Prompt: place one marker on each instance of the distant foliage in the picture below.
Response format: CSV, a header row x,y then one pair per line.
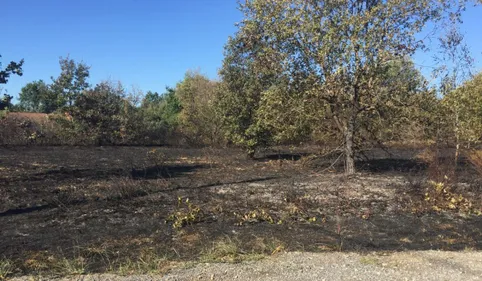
x,y
38,96
466,102
198,120
160,115
71,82
64,90
98,112
6,102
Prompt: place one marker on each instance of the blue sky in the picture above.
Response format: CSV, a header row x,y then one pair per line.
x,y
146,43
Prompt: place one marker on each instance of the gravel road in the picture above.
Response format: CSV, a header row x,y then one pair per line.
x,y
426,265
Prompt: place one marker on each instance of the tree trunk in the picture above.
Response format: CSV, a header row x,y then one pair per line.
x,y
349,154
457,139
350,133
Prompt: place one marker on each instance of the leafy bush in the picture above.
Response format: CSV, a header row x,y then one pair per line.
x,y
98,113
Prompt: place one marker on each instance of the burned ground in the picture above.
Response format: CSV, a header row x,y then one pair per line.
x,y
109,205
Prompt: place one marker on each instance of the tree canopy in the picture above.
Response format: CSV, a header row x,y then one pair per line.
x,y
12,68
71,81
332,54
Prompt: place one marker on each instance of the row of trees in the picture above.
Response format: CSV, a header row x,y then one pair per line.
x,y
107,113
64,90
332,72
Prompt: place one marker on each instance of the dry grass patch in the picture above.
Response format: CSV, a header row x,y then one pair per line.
x,y
6,268
148,262
227,250
231,250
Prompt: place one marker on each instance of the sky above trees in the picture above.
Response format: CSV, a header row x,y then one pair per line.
x,y
147,43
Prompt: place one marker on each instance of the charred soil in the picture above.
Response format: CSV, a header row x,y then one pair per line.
x,y
66,210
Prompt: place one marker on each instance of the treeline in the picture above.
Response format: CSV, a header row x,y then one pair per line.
x,y
338,74
109,114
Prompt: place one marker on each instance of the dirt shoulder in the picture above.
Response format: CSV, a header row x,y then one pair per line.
x,y
419,265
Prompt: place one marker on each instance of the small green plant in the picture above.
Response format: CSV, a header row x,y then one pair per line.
x,y
6,268
186,213
294,213
255,216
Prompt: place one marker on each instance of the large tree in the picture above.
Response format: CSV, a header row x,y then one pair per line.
x,y
333,51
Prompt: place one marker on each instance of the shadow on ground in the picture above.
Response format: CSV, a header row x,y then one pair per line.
x,y
282,156
67,174
391,165
167,171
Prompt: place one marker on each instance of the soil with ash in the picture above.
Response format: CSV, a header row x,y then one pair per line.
x,y
116,203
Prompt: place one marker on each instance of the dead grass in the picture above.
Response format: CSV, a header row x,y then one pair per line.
x,y
228,250
148,262
75,266
126,189
266,246
6,269
232,250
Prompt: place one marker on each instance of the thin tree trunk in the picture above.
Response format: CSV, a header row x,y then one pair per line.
x,y
349,154
457,139
350,133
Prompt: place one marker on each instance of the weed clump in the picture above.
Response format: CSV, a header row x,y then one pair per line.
x,y
255,216
230,250
186,213
439,196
